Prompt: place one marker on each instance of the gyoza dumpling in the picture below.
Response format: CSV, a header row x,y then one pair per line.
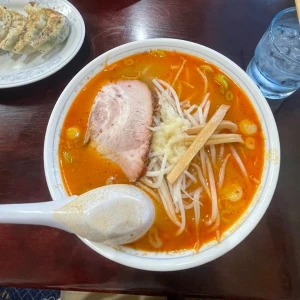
x,y
17,26
37,21
5,22
56,31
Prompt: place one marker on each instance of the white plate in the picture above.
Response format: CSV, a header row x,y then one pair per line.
x,y
17,70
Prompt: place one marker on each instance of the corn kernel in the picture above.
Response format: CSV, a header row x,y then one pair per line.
x,y
73,133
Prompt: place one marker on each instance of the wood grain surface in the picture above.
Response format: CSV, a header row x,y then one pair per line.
x,y
266,265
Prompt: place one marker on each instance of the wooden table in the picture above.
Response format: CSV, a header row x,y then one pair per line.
x,y
264,266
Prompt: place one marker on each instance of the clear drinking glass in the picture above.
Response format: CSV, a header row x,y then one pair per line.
x,y
275,67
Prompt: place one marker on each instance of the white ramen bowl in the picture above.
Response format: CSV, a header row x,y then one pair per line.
x,y
183,259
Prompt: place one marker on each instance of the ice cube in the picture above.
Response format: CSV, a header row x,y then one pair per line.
x,y
288,31
285,50
295,54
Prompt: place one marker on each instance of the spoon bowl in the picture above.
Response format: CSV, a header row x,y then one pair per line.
x,y
113,214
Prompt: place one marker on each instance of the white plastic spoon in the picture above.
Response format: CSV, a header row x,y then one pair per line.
x,y
113,214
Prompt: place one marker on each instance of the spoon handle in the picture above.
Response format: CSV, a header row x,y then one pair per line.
x,y
31,213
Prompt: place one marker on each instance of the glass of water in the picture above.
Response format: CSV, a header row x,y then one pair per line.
x,y
275,67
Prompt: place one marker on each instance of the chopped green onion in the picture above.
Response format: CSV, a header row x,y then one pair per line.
x,y
250,143
223,218
229,95
222,80
222,90
207,68
248,127
158,53
130,73
67,157
232,192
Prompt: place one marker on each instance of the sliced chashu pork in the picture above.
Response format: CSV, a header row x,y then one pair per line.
x,y
118,125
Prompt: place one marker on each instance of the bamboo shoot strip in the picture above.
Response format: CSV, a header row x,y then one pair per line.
x,y
199,142
219,138
224,125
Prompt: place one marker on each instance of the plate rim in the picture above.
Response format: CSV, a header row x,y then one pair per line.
x,y
64,61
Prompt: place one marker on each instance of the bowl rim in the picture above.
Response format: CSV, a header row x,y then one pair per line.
x,y
272,160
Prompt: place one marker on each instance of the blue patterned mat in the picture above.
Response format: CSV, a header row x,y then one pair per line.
x,y
10,293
